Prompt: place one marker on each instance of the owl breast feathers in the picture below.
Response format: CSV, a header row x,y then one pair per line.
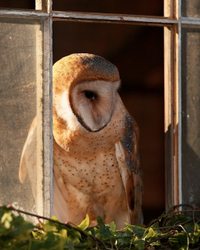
x,y
96,159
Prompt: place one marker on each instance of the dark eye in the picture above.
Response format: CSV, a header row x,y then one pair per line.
x,y
89,94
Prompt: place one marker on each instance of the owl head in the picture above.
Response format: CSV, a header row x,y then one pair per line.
x,y
85,91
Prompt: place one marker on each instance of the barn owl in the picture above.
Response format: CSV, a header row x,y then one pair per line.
x,y
96,159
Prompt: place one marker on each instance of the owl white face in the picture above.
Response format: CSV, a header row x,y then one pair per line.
x,y
92,104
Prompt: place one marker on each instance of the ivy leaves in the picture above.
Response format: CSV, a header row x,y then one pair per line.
x,y
15,232
170,231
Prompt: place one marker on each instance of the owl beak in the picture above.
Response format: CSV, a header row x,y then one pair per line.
x,y
97,126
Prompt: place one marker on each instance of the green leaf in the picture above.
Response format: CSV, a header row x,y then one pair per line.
x,y
179,240
50,226
113,226
104,232
85,223
195,235
139,244
54,218
150,233
124,239
100,221
139,231
6,220
63,233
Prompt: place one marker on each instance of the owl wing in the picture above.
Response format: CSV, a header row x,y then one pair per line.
x,y
129,164
28,162
60,206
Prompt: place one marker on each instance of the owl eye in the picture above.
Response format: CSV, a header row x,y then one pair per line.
x,y
89,94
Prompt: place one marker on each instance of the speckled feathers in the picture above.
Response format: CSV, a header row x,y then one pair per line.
x,y
96,159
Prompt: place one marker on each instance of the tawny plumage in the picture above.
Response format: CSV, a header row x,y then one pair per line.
x,y
96,158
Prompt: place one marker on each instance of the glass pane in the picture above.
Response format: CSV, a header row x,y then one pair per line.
x,y
25,4
19,59
191,8
191,116
143,7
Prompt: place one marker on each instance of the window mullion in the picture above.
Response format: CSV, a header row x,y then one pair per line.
x,y
172,95
47,118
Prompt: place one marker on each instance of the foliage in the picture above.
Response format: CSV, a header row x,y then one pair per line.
x,y
174,230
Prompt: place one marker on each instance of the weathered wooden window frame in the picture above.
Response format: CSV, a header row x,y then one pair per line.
x,y
172,22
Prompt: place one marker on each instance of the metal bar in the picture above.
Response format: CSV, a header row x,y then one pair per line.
x,y
47,118
190,21
113,18
40,144
97,17
179,102
173,125
171,114
89,17
175,119
173,183
169,66
23,14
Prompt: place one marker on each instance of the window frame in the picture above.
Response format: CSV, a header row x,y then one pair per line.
x,y
172,22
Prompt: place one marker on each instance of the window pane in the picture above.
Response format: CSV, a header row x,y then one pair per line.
x,y
19,59
143,7
191,8
190,115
